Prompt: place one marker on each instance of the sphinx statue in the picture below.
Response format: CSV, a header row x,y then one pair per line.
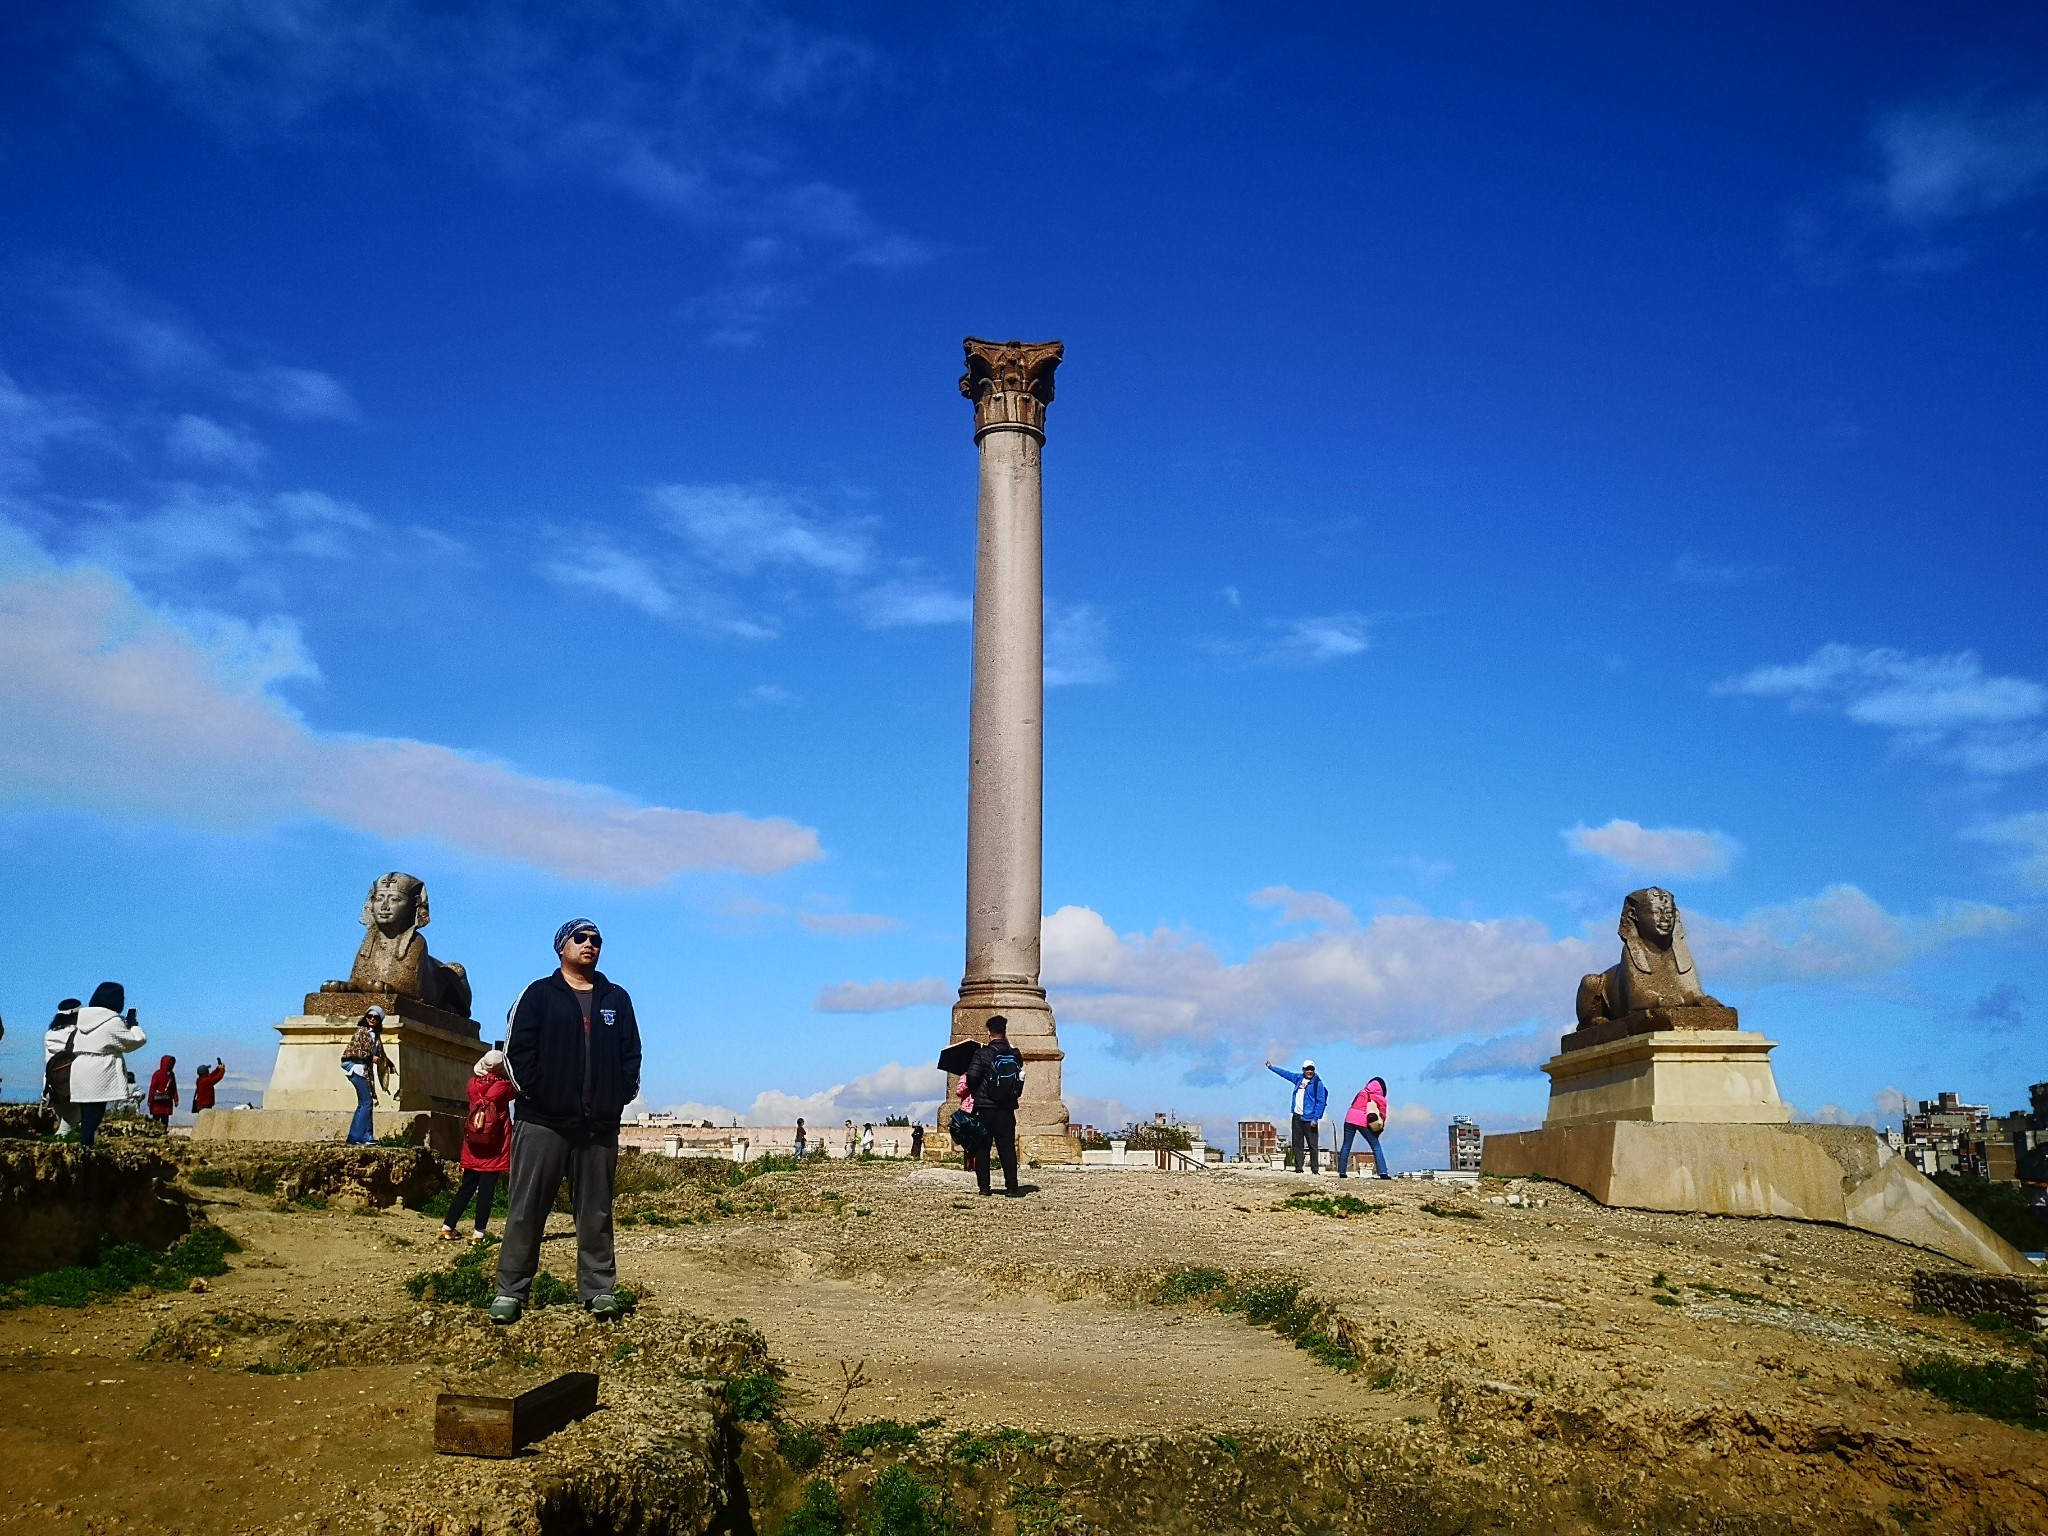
x,y
1656,969
393,957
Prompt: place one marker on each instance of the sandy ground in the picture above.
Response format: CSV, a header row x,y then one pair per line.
x,y
1768,1375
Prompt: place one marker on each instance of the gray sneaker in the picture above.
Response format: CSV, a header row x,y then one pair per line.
x,y
607,1308
506,1309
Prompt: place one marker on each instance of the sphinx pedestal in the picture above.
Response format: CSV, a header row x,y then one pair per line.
x,y
309,1098
1678,1110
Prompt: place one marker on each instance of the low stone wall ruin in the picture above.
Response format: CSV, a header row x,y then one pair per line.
x,y
2013,1298
291,1170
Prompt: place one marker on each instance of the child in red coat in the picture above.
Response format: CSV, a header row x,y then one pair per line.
x,y
486,1143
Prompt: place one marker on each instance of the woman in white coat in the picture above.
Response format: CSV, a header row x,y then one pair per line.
x,y
98,1037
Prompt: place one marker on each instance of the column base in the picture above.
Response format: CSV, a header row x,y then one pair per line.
x,y
1042,1122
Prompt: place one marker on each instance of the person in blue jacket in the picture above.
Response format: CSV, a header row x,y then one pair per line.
x,y
1311,1098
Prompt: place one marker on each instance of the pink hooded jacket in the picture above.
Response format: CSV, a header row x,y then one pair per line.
x,y
1373,1092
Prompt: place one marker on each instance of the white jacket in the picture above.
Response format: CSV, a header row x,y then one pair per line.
x,y
103,1038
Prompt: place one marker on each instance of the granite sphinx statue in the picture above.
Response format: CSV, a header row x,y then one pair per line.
x,y
1656,969
394,959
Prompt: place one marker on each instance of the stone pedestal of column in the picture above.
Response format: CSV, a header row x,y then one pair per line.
x,y
1010,384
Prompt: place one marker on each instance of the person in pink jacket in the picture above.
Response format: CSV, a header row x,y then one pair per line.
x,y
1366,1117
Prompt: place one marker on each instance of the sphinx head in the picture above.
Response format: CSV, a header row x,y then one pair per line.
x,y
1653,914
396,903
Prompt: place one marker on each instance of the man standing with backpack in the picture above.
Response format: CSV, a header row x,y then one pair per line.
x,y
996,1080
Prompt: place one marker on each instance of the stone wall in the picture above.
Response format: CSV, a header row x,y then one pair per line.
x,y
59,1202
27,1121
372,1176
2014,1298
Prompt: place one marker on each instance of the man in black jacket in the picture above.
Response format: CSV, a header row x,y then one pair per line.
x,y
573,1047
996,1080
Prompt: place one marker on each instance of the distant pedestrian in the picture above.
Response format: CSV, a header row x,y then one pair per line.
x,y
1311,1098
209,1079
1367,1117
799,1138
996,1079
360,1060
486,1144
573,1046
852,1139
163,1093
917,1143
867,1140
82,1055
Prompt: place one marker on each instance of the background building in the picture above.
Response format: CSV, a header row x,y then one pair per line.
x,y
1467,1145
1258,1141
1949,1136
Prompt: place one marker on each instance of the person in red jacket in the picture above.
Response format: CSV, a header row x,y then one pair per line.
x,y
486,1144
209,1079
163,1093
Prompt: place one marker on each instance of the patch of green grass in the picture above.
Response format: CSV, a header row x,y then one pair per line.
x,y
1227,1444
464,1283
1193,1284
1998,1327
208,1178
1990,1388
1657,1281
859,1439
394,1139
755,1398
1339,1206
800,1444
1432,1208
1667,1301
625,1350
501,1201
283,1365
1475,1458
549,1290
904,1506
1037,1506
817,1513
310,1200
1721,1290
123,1267
977,1449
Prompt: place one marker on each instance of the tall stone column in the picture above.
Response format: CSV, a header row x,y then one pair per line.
x,y
1010,384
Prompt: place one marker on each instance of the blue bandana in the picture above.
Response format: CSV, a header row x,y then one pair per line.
x,y
562,933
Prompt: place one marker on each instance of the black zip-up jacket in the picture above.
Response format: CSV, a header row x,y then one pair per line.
x,y
569,1081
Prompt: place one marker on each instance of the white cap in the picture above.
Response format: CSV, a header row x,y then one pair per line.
x,y
490,1062
1307,1066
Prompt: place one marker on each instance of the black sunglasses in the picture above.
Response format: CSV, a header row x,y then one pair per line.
x,y
587,936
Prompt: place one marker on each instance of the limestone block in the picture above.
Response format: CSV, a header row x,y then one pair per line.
x,y
442,1133
1844,1178
1697,1076
432,1051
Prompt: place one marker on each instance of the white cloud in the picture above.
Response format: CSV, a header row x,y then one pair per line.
x,y
1515,1055
1887,1106
31,424
1944,704
1655,850
912,602
1076,646
200,525
589,562
1841,932
115,707
744,528
165,346
890,1090
1305,642
2028,833
883,996
208,443
679,108
1413,977
1948,161
1304,906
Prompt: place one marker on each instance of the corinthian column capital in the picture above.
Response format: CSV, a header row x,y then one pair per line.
x,y
1010,382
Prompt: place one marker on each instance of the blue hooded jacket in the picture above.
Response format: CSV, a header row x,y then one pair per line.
x,y
1315,1101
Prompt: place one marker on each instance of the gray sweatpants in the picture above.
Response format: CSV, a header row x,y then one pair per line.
x,y
540,1159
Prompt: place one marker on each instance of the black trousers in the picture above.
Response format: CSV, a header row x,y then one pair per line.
x,y
1002,1125
541,1159
485,1187
1309,1132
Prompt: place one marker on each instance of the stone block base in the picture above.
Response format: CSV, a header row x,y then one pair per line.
x,y
1698,1076
1842,1175
1049,1149
432,1053
1042,1114
441,1133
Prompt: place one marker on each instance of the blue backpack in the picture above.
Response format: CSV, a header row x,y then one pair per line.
x,y
1005,1085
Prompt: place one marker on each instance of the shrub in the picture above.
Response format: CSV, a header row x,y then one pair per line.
x,y
1994,1390
978,1449
1340,1206
755,1398
859,1439
2004,1208
817,1513
207,1178
1192,1284
801,1445
464,1283
122,1267
905,1507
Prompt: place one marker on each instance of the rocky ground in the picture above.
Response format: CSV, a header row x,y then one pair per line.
x,y
1119,1351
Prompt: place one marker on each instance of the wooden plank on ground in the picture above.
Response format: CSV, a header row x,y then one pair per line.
x,y
469,1425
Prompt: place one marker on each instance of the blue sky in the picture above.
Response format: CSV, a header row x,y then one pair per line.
x,y
1500,461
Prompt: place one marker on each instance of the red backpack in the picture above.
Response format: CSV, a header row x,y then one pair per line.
x,y
484,1136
